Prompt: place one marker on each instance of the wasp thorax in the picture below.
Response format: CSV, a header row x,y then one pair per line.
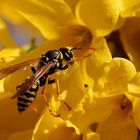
x,y
77,36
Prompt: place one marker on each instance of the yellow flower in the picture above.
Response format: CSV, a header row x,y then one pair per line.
x,y
66,82
96,95
101,16
52,128
24,125
118,126
122,79
55,20
98,89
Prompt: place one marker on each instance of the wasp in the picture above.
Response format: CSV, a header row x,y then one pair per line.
x,y
49,63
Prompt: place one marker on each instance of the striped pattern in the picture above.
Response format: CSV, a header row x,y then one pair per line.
x,y
26,99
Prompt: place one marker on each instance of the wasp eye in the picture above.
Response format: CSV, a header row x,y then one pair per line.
x,y
67,54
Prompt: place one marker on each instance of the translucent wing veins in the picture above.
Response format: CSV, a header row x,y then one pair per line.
x,y
28,84
14,67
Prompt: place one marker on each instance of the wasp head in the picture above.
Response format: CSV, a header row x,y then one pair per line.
x,y
67,54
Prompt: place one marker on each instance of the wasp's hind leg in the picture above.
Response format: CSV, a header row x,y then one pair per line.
x,y
49,108
17,87
59,97
35,109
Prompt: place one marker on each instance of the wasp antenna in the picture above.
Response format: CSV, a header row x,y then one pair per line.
x,y
90,48
75,49
80,58
87,48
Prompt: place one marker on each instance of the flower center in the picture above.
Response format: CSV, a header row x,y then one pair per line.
x,y
77,36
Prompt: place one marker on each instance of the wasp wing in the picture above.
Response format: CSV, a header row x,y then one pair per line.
x,y
14,67
28,84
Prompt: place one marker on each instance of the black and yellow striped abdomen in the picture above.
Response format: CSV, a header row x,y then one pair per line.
x,y
26,99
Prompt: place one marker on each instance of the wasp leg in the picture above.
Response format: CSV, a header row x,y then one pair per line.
x,y
64,67
60,98
17,87
49,108
61,67
51,81
79,58
35,109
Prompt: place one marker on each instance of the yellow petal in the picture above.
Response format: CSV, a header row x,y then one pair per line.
x,y
120,72
11,82
120,23
94,110
77,35
22,135
7,55
10,14
100,16
72,3
11,120
96,64
4,134
134,86
72,88
135,112
136,115
130,8
22,31
80,99
89,135
52,128
48,16
129,34
118,127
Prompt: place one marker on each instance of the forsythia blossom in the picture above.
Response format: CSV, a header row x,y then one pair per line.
x,y
103,92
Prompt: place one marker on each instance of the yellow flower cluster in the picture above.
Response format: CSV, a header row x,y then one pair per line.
x,y
102,91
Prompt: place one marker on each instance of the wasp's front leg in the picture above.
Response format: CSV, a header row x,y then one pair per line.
x,y
63,67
